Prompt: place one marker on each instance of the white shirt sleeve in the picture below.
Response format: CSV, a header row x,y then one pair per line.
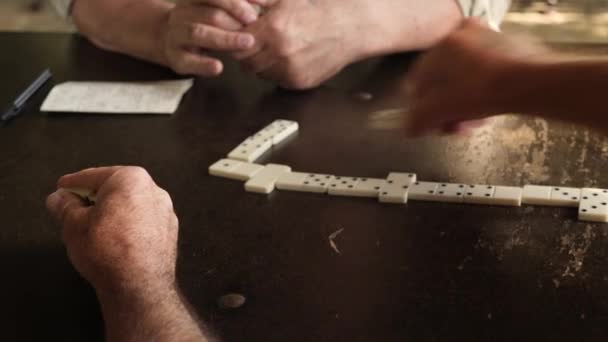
x,y
493,11
63,7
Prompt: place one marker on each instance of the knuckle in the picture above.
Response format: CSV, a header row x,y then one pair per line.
x,y
197,31
237,7
136,173
227,39
215,17
165,198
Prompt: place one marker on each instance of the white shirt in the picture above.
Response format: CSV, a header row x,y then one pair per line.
x,y
63,7
493,11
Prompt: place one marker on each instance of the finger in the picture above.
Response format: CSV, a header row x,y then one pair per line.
x,y
213,38
240,9
260,62
217,18
264,3
196,64
67,209
245,54
91,179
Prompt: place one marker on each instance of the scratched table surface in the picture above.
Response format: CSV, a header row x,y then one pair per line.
x,y
415,272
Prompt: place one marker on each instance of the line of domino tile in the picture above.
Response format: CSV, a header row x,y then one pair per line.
x,y
256,145
398,187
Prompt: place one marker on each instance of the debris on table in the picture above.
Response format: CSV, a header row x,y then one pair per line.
x,y
332,236
364,96
231,301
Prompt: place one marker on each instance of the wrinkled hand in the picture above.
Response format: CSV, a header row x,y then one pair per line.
x,y
301,43
195,26
461,81
127,242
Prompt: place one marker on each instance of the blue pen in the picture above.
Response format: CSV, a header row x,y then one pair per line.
x,y
19,103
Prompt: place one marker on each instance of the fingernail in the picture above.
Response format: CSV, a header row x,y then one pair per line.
x,y
217,68
250,17
246,41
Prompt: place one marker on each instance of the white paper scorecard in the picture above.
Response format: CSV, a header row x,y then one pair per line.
x,y
158,97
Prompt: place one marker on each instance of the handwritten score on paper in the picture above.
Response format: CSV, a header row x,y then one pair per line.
x,y
158,97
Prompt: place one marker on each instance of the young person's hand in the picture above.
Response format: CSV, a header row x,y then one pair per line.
x,y
464,79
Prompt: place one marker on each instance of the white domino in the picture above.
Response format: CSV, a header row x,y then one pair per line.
x,y
356,186
278,131
567,197
422,191
85,194
507,196
396,188
593,206
264,181
283,129
479,194
536,194
251,149
342,186
449,193
291,181
551,196
304,182
234,169
368,187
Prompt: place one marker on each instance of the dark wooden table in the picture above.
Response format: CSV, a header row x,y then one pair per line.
x,y
421,272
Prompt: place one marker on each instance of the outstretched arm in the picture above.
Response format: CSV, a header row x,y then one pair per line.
x,y
126,247
476,73
569,88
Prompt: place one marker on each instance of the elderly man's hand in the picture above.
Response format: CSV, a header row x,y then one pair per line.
x,y
126,243
301,43
195,26
466,78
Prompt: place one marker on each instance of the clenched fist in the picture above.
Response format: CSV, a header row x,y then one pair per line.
x,y
125,243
